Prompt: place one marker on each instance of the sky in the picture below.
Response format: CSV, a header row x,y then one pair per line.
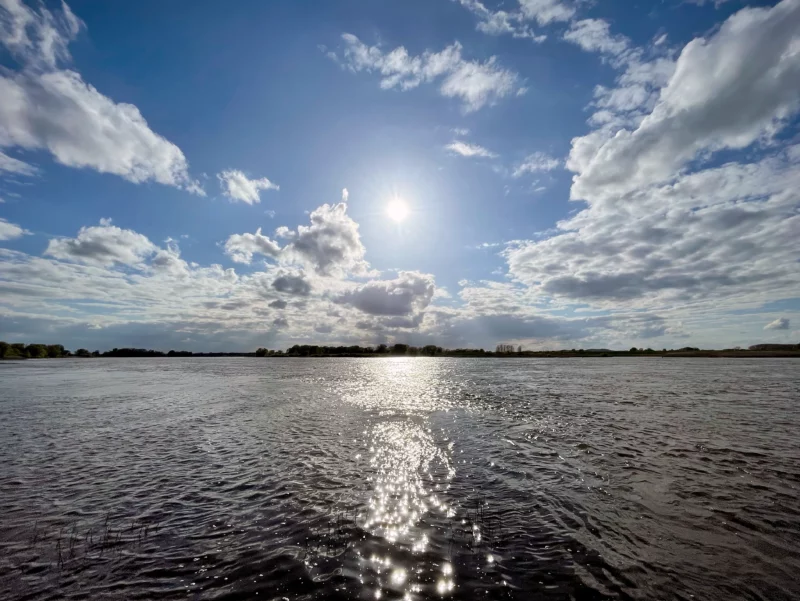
x,y
211,176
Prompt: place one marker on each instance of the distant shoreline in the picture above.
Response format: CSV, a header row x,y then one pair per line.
x,y
523,355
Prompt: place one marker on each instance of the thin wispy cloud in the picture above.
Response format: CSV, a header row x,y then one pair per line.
x,y
468,150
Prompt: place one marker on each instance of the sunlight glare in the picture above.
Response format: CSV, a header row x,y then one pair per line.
x,y
397,209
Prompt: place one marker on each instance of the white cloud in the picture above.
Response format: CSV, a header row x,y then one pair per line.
x,y
469,150
237,186
53,109
516,22
103,245
11,165
536,162
241,247
10,231
331,245
476,84
594,35
779,324
726,92
37,38
723,233
546,11
345,195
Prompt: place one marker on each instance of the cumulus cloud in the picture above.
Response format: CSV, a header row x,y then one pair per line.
x,y
476,84
726,92
779,324
536,162
470,150
662,229
714,234
292,283
280,322
330,246
102,245
241,247
53,109
411,292
237,186
10,231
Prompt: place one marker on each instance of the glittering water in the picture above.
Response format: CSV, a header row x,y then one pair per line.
x,y
400,479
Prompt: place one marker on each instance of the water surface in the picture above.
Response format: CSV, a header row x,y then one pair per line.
x,y
416,478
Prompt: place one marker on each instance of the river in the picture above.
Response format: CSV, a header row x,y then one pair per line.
x,y
400,478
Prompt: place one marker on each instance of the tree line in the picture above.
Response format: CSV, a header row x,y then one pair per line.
x,y
53,351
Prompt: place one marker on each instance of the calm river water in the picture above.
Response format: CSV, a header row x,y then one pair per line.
x,y
400,478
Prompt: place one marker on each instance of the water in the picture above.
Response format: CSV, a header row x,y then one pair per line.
x,y
400,478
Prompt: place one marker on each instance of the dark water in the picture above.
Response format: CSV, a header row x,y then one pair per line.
x,y
400,479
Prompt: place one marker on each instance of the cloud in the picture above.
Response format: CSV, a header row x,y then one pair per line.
x,y
409,293
10,231
515,22
102,245
278,304
11,165
726,92
330,246
779,324
54,109
469,150
536,162
40,39
546,11
241,247
345,195
719,233
236,186
594,35
476,84
291,283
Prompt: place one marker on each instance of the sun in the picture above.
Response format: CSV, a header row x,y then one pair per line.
x,y
397,210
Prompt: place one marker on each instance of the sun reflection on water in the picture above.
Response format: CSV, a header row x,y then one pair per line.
x,y
404,457
410,476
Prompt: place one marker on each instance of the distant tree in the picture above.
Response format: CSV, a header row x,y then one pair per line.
x,y
261,352
399,349
649,350
94,353
430,350
18,350
36,351
82,352
634,349
382,348
519,348
55,350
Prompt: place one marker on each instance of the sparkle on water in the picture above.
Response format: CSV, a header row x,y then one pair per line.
x,y
399,478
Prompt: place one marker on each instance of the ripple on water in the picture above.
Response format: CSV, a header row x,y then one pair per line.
x,y
399,479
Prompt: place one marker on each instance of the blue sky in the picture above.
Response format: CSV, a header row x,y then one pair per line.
x,y
576,174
